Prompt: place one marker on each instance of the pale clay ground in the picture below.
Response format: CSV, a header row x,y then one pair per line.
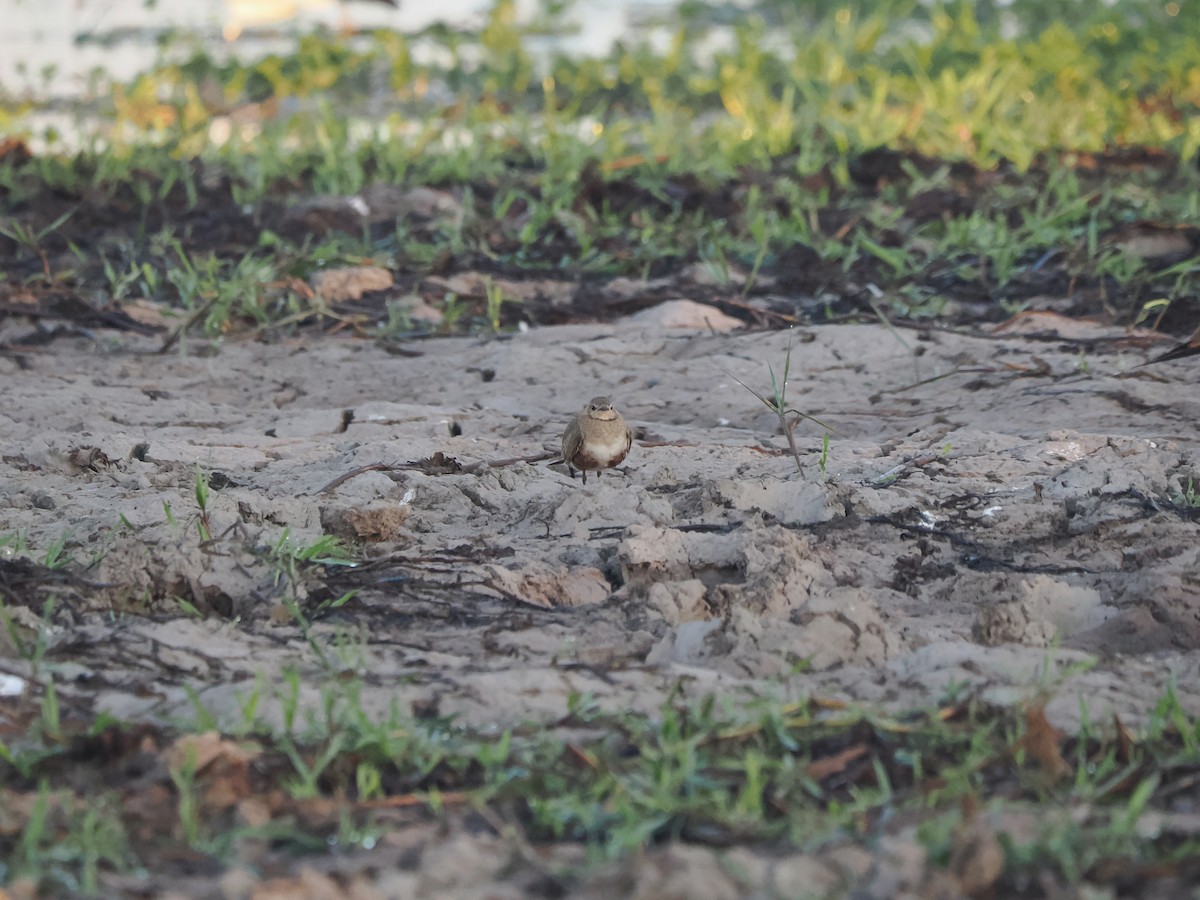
x,y
1019,554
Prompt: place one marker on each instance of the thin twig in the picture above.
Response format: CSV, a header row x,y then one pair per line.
x,y
191,320
469,469
509,461
354,473
894,474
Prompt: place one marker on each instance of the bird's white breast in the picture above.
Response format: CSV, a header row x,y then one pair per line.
x,y
607,446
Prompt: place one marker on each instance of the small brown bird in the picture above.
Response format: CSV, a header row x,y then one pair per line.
x,y
596,439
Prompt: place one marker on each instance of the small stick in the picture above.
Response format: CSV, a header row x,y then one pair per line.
x,y
465,470
892,475
191,320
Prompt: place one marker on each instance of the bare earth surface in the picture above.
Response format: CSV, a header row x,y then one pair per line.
x,y
994,519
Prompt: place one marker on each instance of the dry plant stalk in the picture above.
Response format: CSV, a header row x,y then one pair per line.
x,y
777,403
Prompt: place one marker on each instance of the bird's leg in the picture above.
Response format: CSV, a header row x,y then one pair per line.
x,y
584,473
571,469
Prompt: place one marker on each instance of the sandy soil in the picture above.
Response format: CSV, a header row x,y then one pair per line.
x,y
994,518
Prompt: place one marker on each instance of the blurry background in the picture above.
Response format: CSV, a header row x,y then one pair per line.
x,y
791,159
54,48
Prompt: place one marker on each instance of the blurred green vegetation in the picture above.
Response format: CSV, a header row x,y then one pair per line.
x,y
711,134
718,88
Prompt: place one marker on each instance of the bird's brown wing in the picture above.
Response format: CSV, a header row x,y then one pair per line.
x,y
628,438
572,440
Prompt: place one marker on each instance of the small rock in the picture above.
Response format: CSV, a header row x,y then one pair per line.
x,y
685,314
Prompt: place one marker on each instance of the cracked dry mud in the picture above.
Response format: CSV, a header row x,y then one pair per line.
x,y
992,519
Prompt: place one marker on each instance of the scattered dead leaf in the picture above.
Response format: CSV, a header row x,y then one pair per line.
x,y
376,522
541,585
297,286
415,308
438,464
20,296
820,769
254,811
1125,740
15,150
145,312
630,162
1042,742
221,766
350,283
405,801
90,458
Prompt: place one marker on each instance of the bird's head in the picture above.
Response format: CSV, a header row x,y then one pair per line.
x,y
600,408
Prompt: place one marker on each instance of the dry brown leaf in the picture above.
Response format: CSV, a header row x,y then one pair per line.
x,y
199,751
378,522
145,312
822,768
92,458
630,162
18,151
547,587
254,811
23,297
1125,740
350,283
1042,742
221,766
438,464
297,286
404,801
